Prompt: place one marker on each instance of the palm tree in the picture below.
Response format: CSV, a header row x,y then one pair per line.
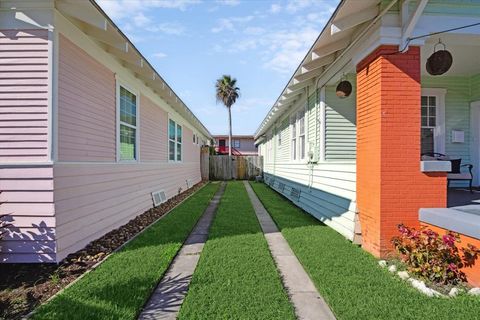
x,y
227,92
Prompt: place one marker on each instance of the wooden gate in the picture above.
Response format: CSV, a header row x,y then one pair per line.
x,y
235,167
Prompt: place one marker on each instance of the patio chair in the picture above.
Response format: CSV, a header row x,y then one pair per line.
x,y
455,174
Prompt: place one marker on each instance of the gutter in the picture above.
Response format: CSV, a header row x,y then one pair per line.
x,y
344,52
205,130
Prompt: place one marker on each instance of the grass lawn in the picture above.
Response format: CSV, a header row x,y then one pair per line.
x,y
349,278
119,287
236,277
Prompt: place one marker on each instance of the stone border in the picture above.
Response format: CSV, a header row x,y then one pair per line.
x,y
301,290
167,298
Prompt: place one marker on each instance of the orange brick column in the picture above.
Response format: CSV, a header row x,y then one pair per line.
x,y
390,186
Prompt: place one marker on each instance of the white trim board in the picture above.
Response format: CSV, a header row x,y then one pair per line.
x,y
475,140
440,130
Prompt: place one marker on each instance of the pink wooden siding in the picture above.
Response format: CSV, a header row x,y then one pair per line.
x,y
24,95
58,209
153,131
93,199
27,200
191,150
86,106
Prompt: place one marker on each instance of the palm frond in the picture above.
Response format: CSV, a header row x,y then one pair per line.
x,y
227,91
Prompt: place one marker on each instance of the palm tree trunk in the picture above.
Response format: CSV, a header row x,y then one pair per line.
x,y
230,131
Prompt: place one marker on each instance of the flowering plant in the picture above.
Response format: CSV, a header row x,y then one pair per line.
x,y
433,257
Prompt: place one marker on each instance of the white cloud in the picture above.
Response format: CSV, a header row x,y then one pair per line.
x,y
275,8
297,5
133,17
119,9
140,20
254,30
223,24
229,24
231,3
171,28
159,55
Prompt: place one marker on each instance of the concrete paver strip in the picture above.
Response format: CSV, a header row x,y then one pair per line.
x,y
307,301
168,297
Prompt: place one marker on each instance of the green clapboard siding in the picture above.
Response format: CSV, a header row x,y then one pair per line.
x,y
340,125
457,111
475,87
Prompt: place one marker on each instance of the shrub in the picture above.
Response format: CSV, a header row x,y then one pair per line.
x,y
433,257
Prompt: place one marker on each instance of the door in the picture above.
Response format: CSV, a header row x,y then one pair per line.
x,y
221,142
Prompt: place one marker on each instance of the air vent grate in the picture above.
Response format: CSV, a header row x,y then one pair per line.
x,y
281,186
295,194
158,197
271,182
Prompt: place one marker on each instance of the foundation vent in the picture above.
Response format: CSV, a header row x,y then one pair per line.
x,y
271,182
295,194
158,197
281,186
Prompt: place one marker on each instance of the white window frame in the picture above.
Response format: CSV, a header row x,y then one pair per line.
x,y
295,155
234,145
439,130
304,135
137,127
177,124
293,136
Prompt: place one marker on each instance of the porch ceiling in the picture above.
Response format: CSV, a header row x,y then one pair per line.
x,y
465,50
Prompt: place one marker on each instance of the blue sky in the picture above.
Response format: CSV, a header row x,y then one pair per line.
x,y
191,43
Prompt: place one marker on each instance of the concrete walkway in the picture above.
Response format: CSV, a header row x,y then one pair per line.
x,y
168,297
302,292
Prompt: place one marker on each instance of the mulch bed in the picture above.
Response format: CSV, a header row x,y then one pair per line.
x,y
25,286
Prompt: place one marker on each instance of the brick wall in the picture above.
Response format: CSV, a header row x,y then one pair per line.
x,y
390,186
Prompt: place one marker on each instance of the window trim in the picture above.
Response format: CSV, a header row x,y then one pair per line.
x,y
177,124
122,84
239,145
293,147
297,159
439,130
304,135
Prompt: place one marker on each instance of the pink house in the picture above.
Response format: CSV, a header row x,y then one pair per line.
x,y
89,130
241,145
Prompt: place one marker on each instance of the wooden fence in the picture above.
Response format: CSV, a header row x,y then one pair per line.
x,y
234,167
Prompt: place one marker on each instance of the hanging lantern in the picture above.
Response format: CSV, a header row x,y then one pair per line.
x,y
440,61
344,89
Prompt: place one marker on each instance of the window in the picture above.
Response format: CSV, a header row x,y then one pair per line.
x,y
429,123
128,125
194,138
301,133
293,125
174,141
279,137
236,143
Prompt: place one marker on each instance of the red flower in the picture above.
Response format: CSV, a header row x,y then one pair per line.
x,y
448,240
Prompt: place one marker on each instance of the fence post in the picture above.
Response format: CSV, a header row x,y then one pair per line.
x,y
205,163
